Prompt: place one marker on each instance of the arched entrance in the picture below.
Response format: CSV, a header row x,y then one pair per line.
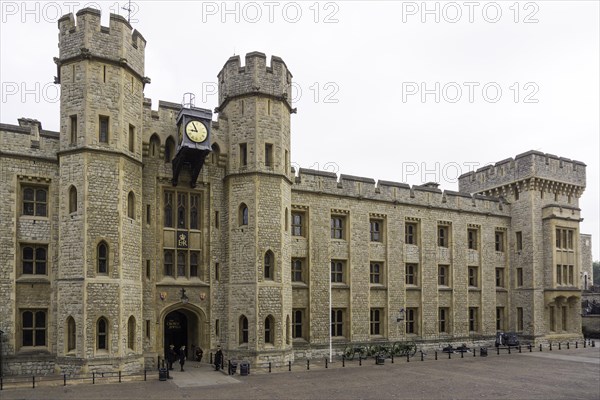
x,y
181,328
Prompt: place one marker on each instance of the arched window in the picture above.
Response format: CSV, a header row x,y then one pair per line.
x,y
131,205
71,334
269,261
102,334
102,256
243,214
154,148
216,151
243,324
169,149
269,327
131,333
72,199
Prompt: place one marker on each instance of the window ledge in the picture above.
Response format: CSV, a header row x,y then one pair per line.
x,y
299,285
413,287
33,279
474,289
340,286
377,286
444,288
501,289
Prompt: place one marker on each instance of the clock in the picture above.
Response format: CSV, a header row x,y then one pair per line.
x,y
196,131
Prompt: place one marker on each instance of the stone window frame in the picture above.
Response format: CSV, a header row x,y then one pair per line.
x,y
71,331
564,238
299,226
102,335
444,280
243,215
500,277
444,320
338,323
412,321
338,272
131,333
411,274
500,318
269,265
499,240
299,326
169,153
131,208
72,196
444,233
131,138
35,260
73,128
338,227
103,129
411,231
519,316
243,330
473,276
298,270
376,322
376,229
154,146
519,277
377,277
473,318
34,329
472,238
103,260
269,330
39,208
518,241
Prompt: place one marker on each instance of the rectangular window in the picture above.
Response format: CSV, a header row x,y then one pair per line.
x,y
147,269
499,318
131,138
216,219
181,264
412,274
194,211
297,322
217,272
519,240
571,275
194,264
33,323
443,275
337,322
337,227
297,270
564,316
168,209
337,271
500,277
443,315
35,201
376,315
473,319
168,263
34,259
442,236
243,154
519,277
376,228
412,321
472,239
268,155
376,273
217,328
297,224
148,329
552,319
499,241
103,131
559,280
410,233
473,277
564,238
73,135
519,319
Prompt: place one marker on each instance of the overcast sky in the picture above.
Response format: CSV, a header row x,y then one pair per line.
x,y
508,76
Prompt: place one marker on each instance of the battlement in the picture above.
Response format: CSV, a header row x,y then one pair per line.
x,y
531,164
254,78
360,188
88,39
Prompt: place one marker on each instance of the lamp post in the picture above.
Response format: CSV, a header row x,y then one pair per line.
x,y
1,333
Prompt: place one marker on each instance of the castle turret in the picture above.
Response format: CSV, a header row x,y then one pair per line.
x,y
254,111
101,72
545,248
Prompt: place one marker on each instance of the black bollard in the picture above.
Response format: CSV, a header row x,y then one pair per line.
x,y
530,348
359,360
540,347
550,346
269,366
508,349
584,344
474,352
559,345
326,363
228,367
436,355
568,346
462,354
407,357
593,343
449,355
421,355
497,351
65,378
575,344
343,361
307,365
119,376
210,361
289,366
519,348
392,358
93,378
33,381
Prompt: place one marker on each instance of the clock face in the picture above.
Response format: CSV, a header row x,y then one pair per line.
x,y
196,131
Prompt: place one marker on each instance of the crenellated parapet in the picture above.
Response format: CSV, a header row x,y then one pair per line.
x,y
85,38
255,78
360,188
532,170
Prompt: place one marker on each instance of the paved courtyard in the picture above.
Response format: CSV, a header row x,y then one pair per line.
x,y
560,374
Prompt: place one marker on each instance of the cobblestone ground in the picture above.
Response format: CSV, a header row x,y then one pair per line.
x,y
560,374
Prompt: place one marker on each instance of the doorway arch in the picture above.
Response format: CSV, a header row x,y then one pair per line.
x,y
183,326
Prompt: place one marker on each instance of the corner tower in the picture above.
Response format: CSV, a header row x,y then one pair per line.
x,y
544,240
254,112
99,289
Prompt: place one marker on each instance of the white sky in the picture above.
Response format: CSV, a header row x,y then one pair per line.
x,y
354,65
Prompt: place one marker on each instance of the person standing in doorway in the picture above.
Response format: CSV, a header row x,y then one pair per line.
x,y
171,356
182,357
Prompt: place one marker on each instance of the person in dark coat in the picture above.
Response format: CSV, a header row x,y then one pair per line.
x,y
199,354
218,359
182,357
171,357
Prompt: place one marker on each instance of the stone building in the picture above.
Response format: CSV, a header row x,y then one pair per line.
x,y
104,262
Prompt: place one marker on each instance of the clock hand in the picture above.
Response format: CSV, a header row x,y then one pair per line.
x,y
194,126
